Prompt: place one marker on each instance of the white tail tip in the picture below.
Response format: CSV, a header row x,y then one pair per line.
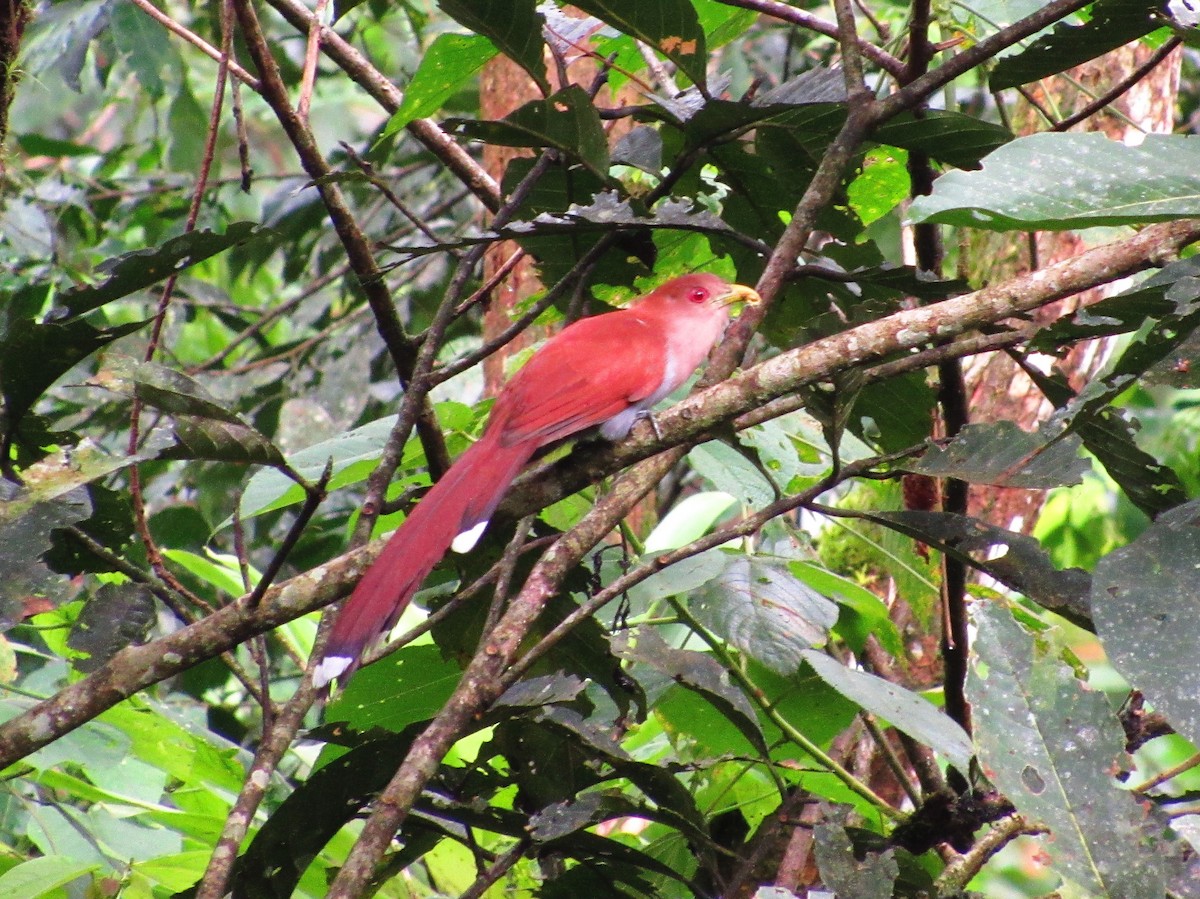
x,y
329,668
465,542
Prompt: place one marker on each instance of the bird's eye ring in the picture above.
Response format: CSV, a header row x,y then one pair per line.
x,y
698,295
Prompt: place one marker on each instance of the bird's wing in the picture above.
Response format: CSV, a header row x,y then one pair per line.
x,y
591,371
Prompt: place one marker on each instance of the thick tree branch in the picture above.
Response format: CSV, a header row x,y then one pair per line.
x,y
137,667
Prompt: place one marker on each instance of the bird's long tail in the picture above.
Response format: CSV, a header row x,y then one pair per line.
x,y
463,499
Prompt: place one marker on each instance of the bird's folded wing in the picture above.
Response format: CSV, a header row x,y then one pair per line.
x,y
590,372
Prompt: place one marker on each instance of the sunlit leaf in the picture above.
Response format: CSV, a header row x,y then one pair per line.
x,y
450,61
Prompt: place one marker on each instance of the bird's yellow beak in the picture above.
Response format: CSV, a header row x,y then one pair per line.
x,y
740,293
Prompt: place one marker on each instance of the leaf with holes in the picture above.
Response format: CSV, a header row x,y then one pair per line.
x,y
1053,746
566,121
1112,24
669,26
1002,455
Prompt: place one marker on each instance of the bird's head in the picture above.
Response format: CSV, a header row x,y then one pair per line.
x,y
690,294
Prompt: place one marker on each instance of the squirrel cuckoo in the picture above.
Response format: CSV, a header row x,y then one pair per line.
x,y
604,371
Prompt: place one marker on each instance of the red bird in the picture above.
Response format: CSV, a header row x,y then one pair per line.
x,y
607,370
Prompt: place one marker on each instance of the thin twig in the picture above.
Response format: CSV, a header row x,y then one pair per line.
x,y
137,501
358,249
314,495
1163,776
786,13
375,83
312,48
1122,86
195,40
960,871
496,870
392,197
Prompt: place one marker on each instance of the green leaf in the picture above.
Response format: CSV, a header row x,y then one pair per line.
x,y
894,414
758,606
1056,182
352,454
61,38
774,443
42,876
178,871
37,353
951,137
681,578
688,520
722,23
566,121
1053,746
1153,298
1106,431
515,26
697,672
1113,24
1146,606
204,428
450,61
144,45
881,186
903,709
116,616
730,472
862,612
669,26
191,754
222,573
607,212
313,814
189,121
1002,455
407,686
24,539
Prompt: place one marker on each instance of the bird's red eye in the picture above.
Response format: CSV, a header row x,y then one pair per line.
x,y
698,295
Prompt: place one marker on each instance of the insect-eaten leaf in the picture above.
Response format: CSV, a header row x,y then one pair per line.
x,y
1146,600
24,538
1052,746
